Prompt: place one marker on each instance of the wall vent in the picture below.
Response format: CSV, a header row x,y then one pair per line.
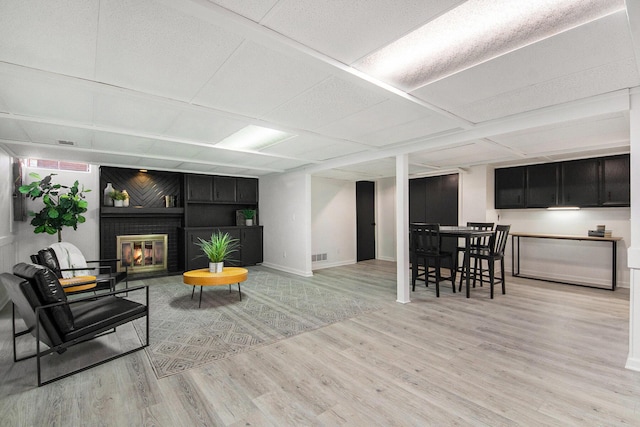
x,y
318,257
63,142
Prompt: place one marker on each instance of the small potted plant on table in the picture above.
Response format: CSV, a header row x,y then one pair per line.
x,y
218,249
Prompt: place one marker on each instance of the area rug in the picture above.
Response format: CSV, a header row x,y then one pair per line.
x,y
273,307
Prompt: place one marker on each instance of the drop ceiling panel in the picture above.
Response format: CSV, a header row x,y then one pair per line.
x,y
148,163
284,164
144,45
348,30
203,126
135,113
59,36
314,147
326,102
422,128
588,60
126,144
50,134
174,150
45,97
252,9
472,153
12,130
571,136
217,155
389,113
256,80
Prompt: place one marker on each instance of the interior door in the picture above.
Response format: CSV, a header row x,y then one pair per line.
x,y
365,220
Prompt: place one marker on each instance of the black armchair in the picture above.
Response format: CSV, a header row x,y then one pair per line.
x,y
105,277
40,300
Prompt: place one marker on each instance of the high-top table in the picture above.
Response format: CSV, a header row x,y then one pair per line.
x,y
203,277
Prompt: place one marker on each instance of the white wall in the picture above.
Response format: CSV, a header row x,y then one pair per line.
x,y
285,213
7,241
333,221
386,219
86,237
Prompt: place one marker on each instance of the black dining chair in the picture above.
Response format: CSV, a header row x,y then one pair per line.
x,y
427,256
476,243
494,252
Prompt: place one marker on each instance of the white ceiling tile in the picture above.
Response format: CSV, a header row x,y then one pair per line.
x,y
50,134
12,130
149,163
468,154
326,102
284,164
59,36
422,128
135,113
575,135
348,30
198,167
256,80
314,147
252,9
175,150
45,97
126,144
144,45
588,60
203,126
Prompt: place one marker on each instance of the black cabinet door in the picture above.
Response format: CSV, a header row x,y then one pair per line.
x,y
195,258
251,245
509,188
542,185
199,188
247,190
616,181
224,189
417,200
579,182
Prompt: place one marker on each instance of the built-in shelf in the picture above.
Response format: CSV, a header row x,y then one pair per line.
x,y
141,212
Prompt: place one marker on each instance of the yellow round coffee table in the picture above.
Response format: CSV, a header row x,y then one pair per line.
x,y
203,277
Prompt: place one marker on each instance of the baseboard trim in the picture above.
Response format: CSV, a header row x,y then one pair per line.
x,y
633,364
321,265
288,270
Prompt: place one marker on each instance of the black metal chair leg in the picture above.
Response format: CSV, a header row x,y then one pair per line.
x,y
492,275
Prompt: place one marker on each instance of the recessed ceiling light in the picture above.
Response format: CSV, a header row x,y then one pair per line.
x,y
475,32
254,138
563,208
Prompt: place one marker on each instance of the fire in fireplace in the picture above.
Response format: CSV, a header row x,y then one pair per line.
x,y
142,253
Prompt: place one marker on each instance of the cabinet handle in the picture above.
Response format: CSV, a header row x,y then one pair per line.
x,y
518,198
609,196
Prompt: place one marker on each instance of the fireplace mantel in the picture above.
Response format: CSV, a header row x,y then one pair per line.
x,y
107,212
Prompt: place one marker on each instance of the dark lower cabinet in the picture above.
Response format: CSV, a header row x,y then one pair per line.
x,y
250,252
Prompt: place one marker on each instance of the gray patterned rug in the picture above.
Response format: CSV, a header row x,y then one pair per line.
x,y
273,307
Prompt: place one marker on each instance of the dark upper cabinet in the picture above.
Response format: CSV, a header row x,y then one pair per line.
x,y
542,185
509,188
224,189
247,190
579,182
603,181
616,179
199,188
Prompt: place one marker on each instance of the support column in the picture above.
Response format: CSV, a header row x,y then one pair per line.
x,y
633,360
402,227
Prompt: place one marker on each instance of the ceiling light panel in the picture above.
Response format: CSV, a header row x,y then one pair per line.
x,y
253,138
475,32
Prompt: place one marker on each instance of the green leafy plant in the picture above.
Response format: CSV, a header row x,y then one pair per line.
x,y
63,206
219,247
118,195
248,213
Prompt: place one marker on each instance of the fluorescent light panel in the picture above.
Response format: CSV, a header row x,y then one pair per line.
x,y
253,138
563,208
475,32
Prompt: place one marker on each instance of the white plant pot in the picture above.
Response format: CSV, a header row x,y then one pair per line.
x,y
216,267
118,203
248,221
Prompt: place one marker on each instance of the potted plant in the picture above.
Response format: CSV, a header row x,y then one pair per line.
x,y
63,206
218,249
248,216
118,198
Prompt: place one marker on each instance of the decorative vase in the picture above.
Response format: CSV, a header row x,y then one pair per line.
x,y
216,267
126,201
107,200
118,203
248,221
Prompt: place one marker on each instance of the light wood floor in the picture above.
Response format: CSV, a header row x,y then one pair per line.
x,y
542,355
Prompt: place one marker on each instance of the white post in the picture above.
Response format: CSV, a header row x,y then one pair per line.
x,y
633,253
402,227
